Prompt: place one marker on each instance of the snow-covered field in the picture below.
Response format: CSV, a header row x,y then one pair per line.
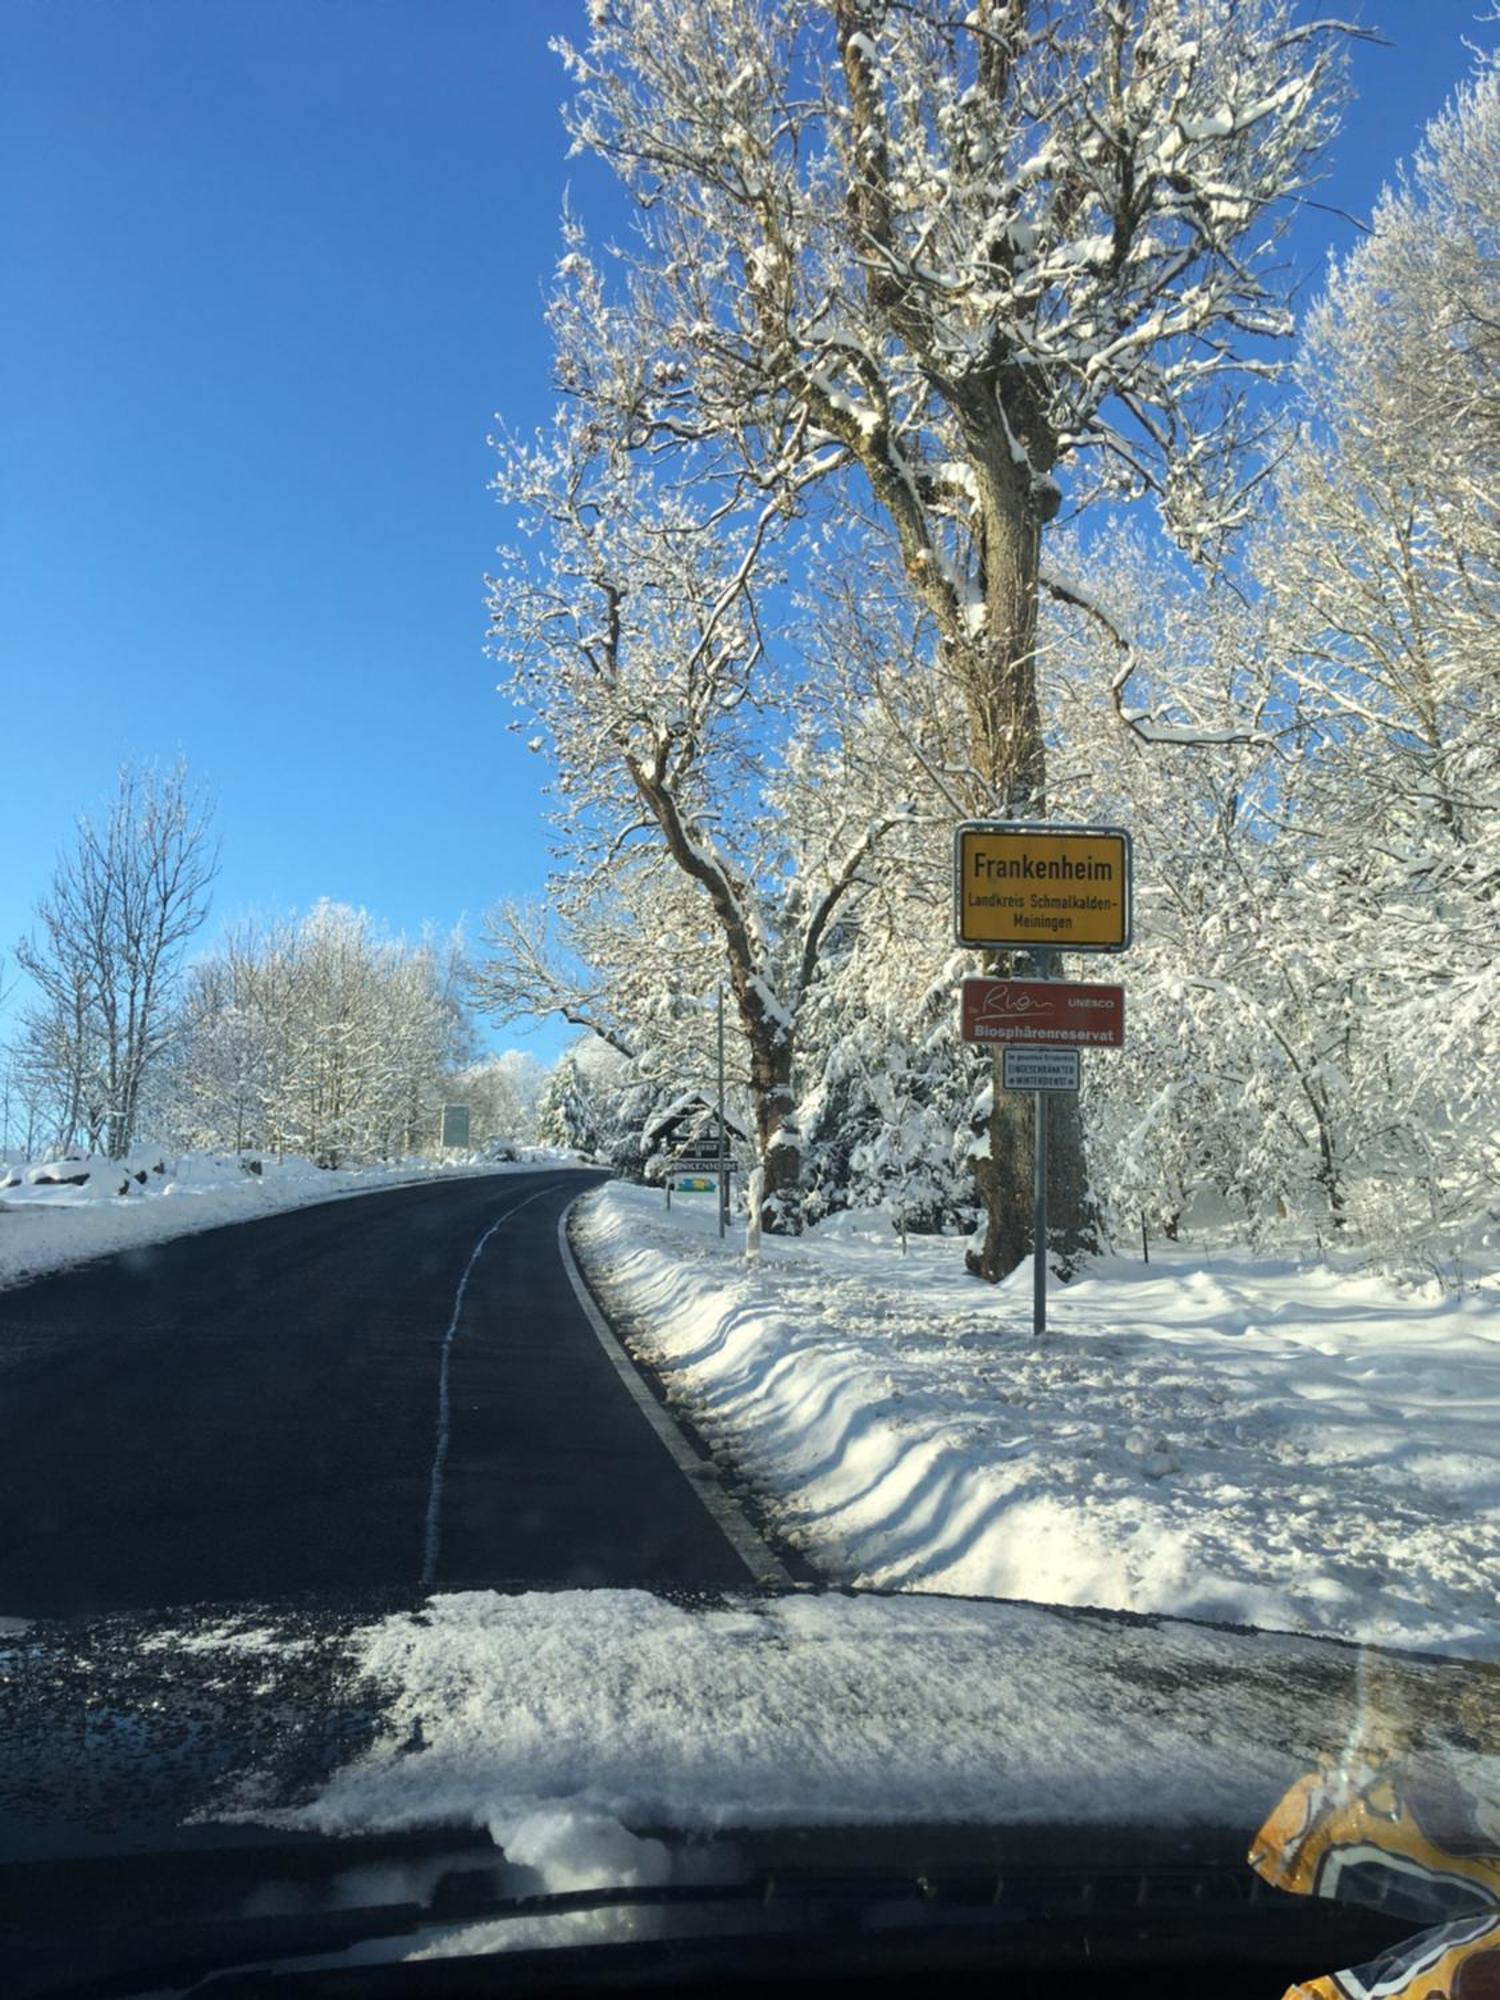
x,y
1212,1435
46,1224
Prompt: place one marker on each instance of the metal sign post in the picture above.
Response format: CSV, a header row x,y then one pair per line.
x,y
1041,888
1039,1099
723,1131
1044,963
1037,1024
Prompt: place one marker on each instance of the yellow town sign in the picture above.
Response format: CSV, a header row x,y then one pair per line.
x,y
1066,888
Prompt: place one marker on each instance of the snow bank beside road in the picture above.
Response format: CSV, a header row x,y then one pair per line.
x,y
1211,1436
50,1220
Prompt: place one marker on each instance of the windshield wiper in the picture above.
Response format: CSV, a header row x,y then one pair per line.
x,y
782,1920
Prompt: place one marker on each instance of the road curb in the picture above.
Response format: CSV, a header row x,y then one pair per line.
x,y
701,1474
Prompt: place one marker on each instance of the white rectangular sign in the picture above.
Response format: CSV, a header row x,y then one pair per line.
x,y
1029,1068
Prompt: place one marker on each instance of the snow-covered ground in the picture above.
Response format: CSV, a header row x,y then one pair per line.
x,y
47,1224
1212,1435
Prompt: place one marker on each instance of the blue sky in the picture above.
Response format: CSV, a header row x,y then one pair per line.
x,y
271,267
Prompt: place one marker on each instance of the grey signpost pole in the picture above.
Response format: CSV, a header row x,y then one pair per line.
x,y
1039,1216
1045,963
723,1135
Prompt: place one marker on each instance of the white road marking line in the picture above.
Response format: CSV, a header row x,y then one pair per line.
x,y
434,1527
763,1566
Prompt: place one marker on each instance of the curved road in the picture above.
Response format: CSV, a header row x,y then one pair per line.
x,y
392,1390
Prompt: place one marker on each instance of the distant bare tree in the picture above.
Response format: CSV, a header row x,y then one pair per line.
x,y
107,949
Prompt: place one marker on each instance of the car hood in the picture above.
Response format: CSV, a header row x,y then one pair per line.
x,y
694,1715
444,1777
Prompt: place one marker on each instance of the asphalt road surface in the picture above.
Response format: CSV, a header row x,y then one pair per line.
x,y
394,1390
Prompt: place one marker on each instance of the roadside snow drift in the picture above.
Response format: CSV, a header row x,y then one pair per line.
x,y
1215,1436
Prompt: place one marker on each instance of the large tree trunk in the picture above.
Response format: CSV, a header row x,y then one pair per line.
x,y
1005,730
778,1140
768,1028
1003,1177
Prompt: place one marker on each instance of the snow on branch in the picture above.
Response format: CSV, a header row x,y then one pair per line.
x,y
1145,726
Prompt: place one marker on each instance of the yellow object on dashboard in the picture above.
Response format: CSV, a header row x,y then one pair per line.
x,y
1404,1837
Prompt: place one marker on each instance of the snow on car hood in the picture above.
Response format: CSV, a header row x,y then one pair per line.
x,y
835,1709
620,1708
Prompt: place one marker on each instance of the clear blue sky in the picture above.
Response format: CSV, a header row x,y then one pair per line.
x,y
269,268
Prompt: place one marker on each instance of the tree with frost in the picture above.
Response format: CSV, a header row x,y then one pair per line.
x,y
1387,563
636,625
1185,1107
624,953
317,1036
887,998
890,1116
599,1102
106,954
1312,994
237,1051
1384,566
1413,320
565,1117
502,1093
955,262
890,1094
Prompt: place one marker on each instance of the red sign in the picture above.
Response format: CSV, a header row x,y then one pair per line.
x,y
1043,1011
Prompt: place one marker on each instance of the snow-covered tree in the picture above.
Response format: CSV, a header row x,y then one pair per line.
x,y
566,1114
596,1101
638,635
503,1093
1387,567
1385,571
1312,1027
1412,322
318,1036
626,953
947,262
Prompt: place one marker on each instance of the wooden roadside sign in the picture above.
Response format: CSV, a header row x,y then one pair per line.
x,y
1042,886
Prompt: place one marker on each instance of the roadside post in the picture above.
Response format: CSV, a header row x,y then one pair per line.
x,y
1039,1102
1041,1070
723,1131
1038,888
752,1215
